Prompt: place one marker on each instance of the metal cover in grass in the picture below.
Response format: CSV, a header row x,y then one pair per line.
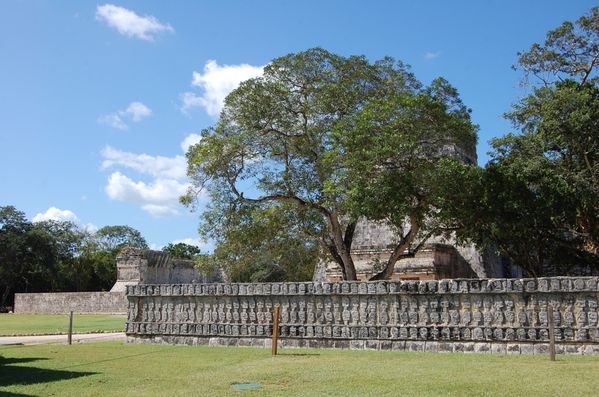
x,y
245,386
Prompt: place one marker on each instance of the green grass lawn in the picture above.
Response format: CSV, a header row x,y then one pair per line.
x,y
115,369
39,324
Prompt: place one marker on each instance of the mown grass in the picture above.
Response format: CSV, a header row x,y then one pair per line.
x,y
42,324
114,369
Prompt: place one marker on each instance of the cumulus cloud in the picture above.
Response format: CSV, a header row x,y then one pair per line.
x,y
136,111
156,166
160,191
56,214
216,82
113,120
159,196
189,141
130,24
429,56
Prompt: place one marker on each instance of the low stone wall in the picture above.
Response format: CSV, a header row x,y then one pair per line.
x,y
508,316
78,302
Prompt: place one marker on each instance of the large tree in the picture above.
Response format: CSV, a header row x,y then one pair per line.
x,y
298,139
537,200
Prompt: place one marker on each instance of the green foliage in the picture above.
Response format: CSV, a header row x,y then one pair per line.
x,y
181,250
570,51
111,238
57,256
537,200
260,244
294,139
27,255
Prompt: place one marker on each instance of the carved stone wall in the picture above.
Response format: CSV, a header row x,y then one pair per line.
x,y
460,315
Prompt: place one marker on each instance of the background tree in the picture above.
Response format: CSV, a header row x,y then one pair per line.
x,y
111,238
260,244
281,144
27,260
54,256
569,52
537,200
181,250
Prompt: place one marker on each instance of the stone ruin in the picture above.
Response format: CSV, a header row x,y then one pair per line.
x,y
439,258
140,266
508,316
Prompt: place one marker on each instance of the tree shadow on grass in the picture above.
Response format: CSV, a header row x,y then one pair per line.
x,y
15,360
9,394
11,375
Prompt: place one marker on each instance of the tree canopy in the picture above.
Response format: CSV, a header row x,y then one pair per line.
x,y
56,255
318,137
537,200
181,250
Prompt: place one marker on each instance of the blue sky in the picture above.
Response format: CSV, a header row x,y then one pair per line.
x,y
98,100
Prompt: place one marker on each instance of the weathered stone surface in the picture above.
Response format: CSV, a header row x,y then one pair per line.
x,y
141,266
78,302
464,315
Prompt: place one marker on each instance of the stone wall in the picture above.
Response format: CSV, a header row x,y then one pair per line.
x,y
78,302
509,316
141,266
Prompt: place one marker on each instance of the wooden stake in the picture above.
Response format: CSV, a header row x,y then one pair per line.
x,y
275,330
551,335
70,337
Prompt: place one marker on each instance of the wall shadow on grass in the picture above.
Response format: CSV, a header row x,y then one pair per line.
x,y
12,375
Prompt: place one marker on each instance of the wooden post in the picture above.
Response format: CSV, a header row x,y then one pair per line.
x,y
275,329
70,337
551,335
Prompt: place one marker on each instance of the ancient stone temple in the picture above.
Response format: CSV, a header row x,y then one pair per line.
x,y
439,258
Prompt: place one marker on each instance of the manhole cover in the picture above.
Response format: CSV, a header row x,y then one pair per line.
x,y
245,386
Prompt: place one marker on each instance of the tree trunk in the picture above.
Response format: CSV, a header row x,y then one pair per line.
x,y
342,243
5,294
398,253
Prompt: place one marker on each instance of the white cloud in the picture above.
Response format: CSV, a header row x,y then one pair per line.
x,y
156,166
158,192
189,141
113,120
159,211
189,100
136,111
429,56
56,214
160,195
130,24
204,246
189,241
216,82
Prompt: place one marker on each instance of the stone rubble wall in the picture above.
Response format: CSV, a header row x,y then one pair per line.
x,y
509,316
78,302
